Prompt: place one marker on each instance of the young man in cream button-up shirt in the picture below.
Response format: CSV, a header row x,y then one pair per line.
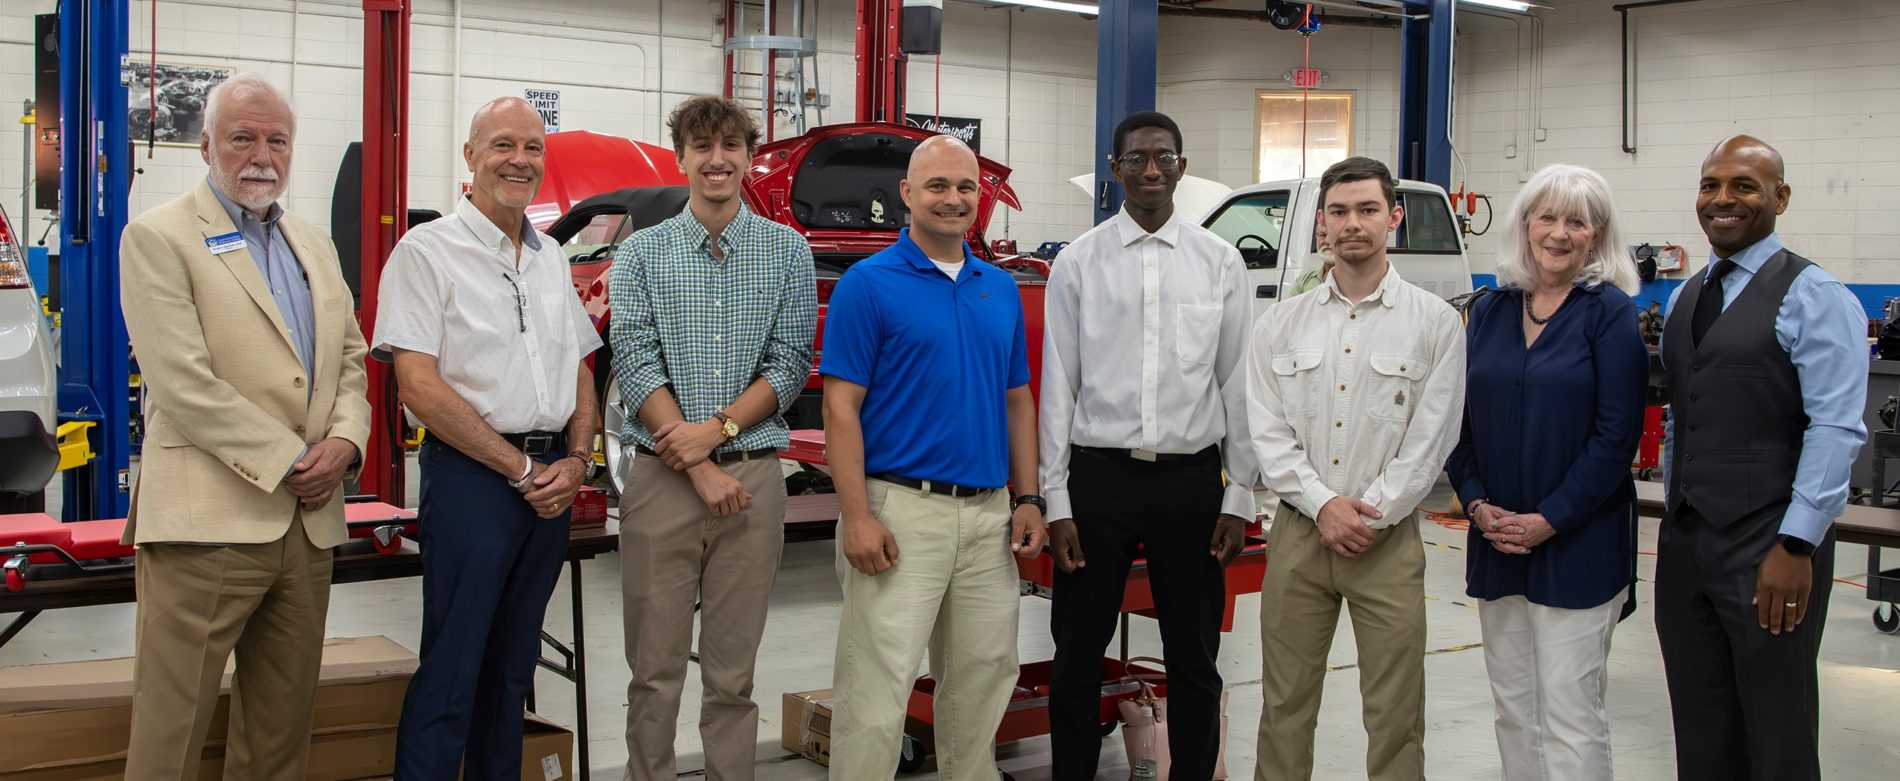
x,y
1354,395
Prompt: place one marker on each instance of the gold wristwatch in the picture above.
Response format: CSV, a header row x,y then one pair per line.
x,y
727,426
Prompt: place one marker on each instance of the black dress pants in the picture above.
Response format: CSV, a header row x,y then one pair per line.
x,y
1746,703
1127,508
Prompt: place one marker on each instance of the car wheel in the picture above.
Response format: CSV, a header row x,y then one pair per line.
x,y
613,413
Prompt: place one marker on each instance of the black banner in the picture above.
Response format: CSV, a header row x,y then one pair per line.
x,y
45,113
970,129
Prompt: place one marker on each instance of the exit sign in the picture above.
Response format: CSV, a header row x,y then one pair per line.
x,y
1305,78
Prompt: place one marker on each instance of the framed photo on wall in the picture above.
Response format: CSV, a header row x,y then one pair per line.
x,y
173,111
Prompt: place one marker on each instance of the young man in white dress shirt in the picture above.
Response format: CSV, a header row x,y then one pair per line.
x,y
1143,408
1355,391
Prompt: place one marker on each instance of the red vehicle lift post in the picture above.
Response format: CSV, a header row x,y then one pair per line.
x,y
881,63
384,218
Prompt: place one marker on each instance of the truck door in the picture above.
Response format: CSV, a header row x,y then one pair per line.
x,y
1256,224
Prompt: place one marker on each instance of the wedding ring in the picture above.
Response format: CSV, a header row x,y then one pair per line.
x,y
1791,604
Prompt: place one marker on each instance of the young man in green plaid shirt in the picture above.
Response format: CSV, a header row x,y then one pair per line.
x,y
713,316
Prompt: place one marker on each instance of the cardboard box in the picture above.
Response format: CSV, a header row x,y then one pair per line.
x,y
806,725
72,721
547,751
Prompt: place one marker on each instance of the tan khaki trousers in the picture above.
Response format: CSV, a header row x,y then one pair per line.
x,y
196,605
1384,589
953,590
673,552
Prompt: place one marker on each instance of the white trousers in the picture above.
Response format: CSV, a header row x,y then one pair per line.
x,y
1547,669
953,590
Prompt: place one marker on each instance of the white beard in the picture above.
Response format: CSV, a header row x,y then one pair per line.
x,y
253,196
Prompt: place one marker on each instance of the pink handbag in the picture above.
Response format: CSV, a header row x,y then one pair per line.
x,y
1145,726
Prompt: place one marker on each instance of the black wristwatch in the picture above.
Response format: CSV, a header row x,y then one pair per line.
x,y
1796,545
1033,499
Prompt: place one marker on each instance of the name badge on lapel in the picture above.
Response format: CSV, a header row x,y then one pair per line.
x,y
229,242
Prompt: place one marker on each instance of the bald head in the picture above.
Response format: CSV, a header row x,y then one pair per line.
x,y
502,109
941,189
1743,189
938,153
1753,149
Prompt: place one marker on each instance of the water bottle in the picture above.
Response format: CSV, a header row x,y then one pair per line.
x,y
1145,769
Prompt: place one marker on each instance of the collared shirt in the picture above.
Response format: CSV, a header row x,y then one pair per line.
x,y
1824,329
935,357
282,272
1359,400
705,327
507,336
1143,337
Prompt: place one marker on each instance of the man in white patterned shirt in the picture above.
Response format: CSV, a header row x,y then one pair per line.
x,y
1355,390
1143,408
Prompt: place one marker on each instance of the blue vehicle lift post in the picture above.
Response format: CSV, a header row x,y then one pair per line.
x,y
94,185
1425,92
1125,34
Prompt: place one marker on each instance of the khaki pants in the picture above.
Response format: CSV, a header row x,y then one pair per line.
x,y
198,604
1384,589
673,552
954,588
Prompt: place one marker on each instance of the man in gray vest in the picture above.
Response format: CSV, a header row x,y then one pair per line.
x,y
1767,362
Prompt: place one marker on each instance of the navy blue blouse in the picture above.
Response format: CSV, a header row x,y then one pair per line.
x,y
1552,429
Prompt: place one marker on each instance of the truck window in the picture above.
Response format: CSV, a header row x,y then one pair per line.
x,y
1253,224
1428,225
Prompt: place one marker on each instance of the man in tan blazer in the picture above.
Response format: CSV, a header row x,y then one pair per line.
x,y
254,364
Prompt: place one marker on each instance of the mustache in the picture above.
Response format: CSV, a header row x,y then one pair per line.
x,y
258,172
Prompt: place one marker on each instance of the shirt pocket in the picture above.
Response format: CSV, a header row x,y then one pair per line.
x,y
1297,376
1394,385
1196,333
557,322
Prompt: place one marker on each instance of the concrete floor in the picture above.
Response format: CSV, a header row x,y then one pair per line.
x,y
1860,670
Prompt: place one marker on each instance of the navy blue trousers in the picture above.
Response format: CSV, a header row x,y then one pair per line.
x,y
489,565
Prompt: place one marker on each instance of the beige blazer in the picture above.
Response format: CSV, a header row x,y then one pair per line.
x,y
225,410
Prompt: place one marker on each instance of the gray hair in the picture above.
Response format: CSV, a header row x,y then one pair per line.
x,y
1567,191
245,82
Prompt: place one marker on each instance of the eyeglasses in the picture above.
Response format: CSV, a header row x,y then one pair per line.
x,y
521,303
1167,161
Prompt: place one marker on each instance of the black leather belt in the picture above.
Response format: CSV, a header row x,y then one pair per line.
x,y
932,486
729,457
1211,451
539,443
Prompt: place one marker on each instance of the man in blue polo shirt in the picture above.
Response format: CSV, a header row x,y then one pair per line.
x,y
928,415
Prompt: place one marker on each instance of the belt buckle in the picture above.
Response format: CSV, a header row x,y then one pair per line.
x,y
537,444
1141,454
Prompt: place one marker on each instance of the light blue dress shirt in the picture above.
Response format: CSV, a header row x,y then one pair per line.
x,y
283,274
1824,329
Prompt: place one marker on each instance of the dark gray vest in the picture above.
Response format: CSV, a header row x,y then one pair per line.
x,y
1734,400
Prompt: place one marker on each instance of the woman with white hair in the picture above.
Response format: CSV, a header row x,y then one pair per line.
x,y
1553,411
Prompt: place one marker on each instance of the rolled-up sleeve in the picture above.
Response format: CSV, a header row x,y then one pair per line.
x,y
632,328
787,360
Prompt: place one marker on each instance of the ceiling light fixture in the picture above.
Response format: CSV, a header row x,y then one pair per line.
x,y
1054,5
1514,6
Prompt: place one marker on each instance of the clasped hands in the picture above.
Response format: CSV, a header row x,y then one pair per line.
x,y
685,447
1509,532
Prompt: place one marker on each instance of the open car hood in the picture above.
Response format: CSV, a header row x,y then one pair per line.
x,y
582,163
837,186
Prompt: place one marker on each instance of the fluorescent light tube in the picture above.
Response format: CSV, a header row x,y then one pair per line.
x,y
1516,6
1054,5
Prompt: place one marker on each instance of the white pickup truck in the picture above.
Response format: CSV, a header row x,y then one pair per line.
x,y
1272,225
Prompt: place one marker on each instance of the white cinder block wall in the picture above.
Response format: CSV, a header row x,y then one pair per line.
x,y
1028,75
1815,77
1210,72
1818,79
